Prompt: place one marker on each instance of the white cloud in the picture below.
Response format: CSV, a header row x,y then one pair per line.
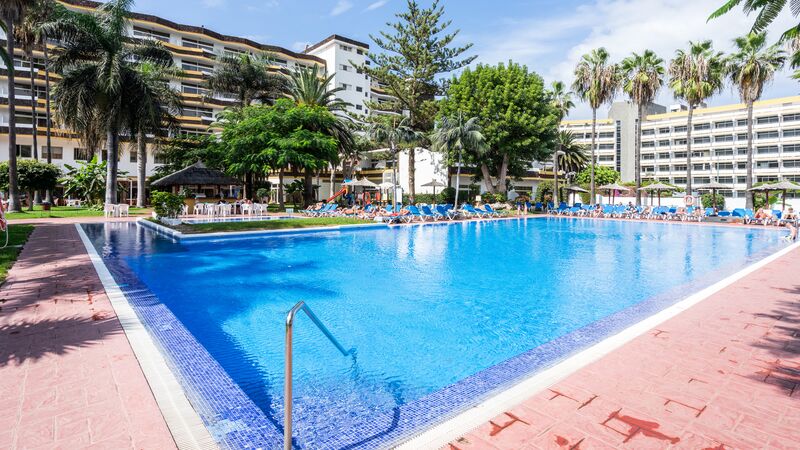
x,y
376,5
213,3
553,45
341,7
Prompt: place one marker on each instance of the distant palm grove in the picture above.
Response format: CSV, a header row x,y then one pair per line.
x,y
494,120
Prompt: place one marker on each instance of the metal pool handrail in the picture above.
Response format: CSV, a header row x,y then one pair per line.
x,y
287,373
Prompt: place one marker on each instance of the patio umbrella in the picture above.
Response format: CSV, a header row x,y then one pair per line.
x,y
362,182
575,189
658,187
613,188
765,188
434,184
785,186
713,186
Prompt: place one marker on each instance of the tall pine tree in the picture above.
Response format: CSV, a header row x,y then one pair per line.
x,y
416,50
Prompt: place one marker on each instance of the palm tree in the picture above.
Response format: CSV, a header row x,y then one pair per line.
x,y
157,115
102,88
562,102
248,77
12,12
695,75
596,82
767,12
751,66
573,156
643,76
454,135
392,130
307,86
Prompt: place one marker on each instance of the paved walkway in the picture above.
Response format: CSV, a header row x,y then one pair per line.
x,y
723,374
68,377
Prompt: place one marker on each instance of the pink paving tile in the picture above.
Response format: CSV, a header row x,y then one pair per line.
x,y
724,374
66,368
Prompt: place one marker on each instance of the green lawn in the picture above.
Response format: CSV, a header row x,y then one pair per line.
x,y
281,224
64,211
17,235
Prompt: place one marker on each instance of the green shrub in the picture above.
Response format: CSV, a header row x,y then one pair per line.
x,y
488,197
429,198
166,204
708,201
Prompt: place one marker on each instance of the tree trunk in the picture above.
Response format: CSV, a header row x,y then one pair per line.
x,y
637,155
555,176
248,185
333,179
112,144
141,165
689,150
48,195
281,200
487,178
749,201
412,179
502,175
308,187
13,189
34,100
458,177
592,197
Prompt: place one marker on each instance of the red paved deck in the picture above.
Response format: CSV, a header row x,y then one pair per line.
x,y
68,377
723,374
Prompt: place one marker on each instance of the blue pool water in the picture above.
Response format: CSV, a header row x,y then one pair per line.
x,y
437,314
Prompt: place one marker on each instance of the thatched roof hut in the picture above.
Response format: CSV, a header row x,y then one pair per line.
x,y
197,175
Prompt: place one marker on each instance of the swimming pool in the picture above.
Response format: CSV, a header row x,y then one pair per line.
x,y
440,316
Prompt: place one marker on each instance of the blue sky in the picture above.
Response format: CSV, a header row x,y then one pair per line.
x,y
549,36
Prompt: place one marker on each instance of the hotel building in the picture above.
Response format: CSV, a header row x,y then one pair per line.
x,y
196,51
719,143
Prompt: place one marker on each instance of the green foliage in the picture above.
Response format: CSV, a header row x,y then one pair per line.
x,y
488,197
465,194
760,202
429,198
544,191
263,193
87,181
248,77
707,200
602,175
17,236
183,151
518,119
32,175
166,204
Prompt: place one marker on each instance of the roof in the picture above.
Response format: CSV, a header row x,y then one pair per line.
x,y
196,174
200,30
335,37
726,108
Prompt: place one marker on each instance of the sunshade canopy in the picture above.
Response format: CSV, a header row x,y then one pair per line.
x,y
197,175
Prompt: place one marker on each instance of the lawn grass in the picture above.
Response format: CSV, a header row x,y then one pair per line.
x,y
279,224
57,212
17,235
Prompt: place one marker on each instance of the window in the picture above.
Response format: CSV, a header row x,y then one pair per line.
x,y
197,67
741,151
196,111
767,119
679,168
791,148
344,67
144,33
700,166
663,130
359,107
648,156
24,151
741,179
699,154
359,89
648,144
663,168
606,146
648,132
741,136
360,52
767,134
606,134
741,165
723,152
725,180
663,143
724,124
793,132
741,123
194,43
81,154
663,156
280,62
723,138
228,51
680,129
679,142
679,155
344,86
791,117
57,152
766,178
346,48
648,169
195,89
701,180
679,180
134,156
725,166
766,149
701,140
701,126
767,165
606,158
791,163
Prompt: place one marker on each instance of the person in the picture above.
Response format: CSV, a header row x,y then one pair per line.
x,y
764,215
790,222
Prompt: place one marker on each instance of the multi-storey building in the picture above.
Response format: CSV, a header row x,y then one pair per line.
x,y
719,143
343,56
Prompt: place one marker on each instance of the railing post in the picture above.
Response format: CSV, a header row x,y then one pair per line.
x,y
287,382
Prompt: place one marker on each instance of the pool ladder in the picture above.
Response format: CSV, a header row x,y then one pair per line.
x,y
287,372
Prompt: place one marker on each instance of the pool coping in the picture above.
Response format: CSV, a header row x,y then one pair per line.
x,y
184,423
441,434
238,234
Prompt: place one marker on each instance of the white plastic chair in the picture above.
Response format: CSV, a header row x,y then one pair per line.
x,y
198,209
109,210
122,209
247,210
